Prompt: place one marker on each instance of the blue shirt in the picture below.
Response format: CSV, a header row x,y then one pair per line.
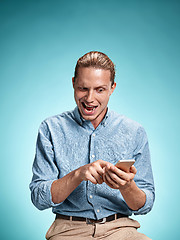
x,y
66,141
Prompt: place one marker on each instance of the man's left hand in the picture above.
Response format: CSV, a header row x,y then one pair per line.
x,y
117,178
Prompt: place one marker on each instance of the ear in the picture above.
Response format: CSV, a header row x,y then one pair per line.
x,y
113,87
73,81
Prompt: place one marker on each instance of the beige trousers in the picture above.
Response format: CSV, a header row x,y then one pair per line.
x,y
122,228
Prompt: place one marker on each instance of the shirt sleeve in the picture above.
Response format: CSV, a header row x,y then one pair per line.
x,y
144,176
44,170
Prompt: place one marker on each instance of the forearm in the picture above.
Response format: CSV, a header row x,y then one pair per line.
x,y
63,187
134,197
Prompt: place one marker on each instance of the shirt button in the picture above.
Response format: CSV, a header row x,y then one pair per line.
x,y
98,210
94,134
91,196
93,156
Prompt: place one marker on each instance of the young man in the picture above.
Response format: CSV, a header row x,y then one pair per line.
x,y
74,169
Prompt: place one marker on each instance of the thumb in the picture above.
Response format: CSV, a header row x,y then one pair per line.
x,y
104,164
133,169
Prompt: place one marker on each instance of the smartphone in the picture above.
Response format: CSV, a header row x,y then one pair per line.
x,y
125,164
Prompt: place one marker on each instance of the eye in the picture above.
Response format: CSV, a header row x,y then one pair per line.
x,y
100,90
82,89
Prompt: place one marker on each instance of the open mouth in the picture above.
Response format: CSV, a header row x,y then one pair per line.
x,y
88,108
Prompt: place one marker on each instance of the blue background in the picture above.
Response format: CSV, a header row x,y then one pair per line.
x,y
40,42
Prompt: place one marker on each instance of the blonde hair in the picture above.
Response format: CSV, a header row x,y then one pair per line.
x,y
97,60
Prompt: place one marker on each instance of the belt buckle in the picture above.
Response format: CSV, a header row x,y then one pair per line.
x,y
90,221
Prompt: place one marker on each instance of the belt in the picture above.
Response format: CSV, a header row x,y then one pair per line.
x,y
91,221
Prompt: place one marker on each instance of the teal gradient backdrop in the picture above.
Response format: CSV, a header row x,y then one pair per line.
x,y
40,42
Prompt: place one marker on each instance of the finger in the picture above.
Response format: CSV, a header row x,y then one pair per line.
x,y
98,178
111,181
88,175
133,169
92,179
97,167
118,180
96,174
107,182
121,174
103,163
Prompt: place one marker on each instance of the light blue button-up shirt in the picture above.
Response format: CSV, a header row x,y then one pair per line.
x,y
66,142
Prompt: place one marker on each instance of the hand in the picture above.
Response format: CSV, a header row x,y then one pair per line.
x,y
93,171
63,187
116,178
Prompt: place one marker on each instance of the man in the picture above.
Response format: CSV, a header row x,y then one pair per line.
x,y
74,169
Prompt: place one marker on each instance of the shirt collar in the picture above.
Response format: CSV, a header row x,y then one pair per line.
x,y
77,116
81,120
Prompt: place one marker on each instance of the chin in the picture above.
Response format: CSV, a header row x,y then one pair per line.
x,y
87,117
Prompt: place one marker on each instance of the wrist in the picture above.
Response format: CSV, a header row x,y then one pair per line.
x,y
128,186
77,175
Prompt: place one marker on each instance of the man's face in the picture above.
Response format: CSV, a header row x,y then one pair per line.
x,y
92,89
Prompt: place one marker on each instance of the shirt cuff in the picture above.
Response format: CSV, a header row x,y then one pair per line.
x,y
48,194
148,204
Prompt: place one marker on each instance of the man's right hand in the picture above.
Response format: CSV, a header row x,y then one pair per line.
x,y
62,187
93,172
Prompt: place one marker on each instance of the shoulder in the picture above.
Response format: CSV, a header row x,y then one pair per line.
x,y
65,116
129,128
57,121
123,121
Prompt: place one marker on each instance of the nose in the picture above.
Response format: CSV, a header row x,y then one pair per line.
x,y
90,96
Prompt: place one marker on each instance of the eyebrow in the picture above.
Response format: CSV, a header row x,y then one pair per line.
x,y
102,86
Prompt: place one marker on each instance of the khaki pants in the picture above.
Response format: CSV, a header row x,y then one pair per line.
x,y
122,228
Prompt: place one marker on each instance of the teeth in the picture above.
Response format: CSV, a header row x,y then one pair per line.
x,y
89,108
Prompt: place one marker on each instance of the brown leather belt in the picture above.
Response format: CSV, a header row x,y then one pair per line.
x,y
91,221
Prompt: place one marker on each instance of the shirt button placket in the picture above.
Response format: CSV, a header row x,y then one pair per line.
x,y
91,186
92,153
